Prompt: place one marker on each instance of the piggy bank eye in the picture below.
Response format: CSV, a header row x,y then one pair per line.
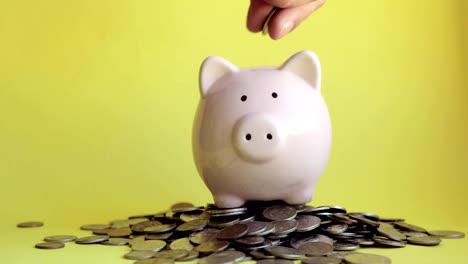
x,y
274,95
243,98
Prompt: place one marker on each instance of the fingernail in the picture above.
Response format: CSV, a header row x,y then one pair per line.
x,y
285,28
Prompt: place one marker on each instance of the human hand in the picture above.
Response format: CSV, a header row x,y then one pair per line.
x,y
289,15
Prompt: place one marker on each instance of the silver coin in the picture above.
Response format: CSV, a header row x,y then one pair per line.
x,y
321,260
260,255
366,259
316,248
137,255
60,238
413,234
190,216
149,245
265,244
297,241
140,227
280,212
50,245
116,241
307,223
30,224
267,21
220,222
387,242
285,252
336,228
424,241
270,228
91,239
447,234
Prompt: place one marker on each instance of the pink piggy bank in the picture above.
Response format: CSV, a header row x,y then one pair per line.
x,y
261,134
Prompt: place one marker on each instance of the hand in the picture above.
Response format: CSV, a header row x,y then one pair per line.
x,y
289,15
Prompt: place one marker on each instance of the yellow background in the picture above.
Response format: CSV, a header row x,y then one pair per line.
x,y
97,100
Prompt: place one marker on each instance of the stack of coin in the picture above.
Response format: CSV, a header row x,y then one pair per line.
x,y
270,232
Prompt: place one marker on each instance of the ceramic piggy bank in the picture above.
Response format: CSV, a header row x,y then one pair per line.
x,y
261,134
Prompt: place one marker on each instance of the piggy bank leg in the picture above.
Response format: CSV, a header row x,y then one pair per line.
x,y
228,201
300,197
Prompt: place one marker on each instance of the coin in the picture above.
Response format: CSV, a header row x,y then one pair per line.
x,y
149,245
229,256
391,233
250,240
197,215
50,245
155,261
345,246
120,232
316,248
447,234
60,238
270,228
137,255
192,225
260,255
30,224
255,227
191,256
366,259
307,223
275,261
336,228
94,227
212,246
181,243
285,252
220,222
140,227
279,212
172,254
206,235
233,232
160,228
116,241
160,236
267,21
424,241
321,260
136,239
387,242
283,227
91,239
406,226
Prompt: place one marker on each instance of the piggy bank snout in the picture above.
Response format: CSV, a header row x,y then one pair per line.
x,y
257,137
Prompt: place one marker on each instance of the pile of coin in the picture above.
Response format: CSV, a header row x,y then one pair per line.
x,y
269,232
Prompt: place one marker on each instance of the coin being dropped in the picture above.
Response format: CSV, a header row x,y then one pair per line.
x,y
366,259
267,21
424,241
447,234
321,260
30,224
137,255
60,238
50,245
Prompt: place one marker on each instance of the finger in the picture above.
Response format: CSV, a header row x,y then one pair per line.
x,y
258,13
287,3
286,20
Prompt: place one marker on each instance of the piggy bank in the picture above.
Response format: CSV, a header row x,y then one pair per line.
x,y
261,134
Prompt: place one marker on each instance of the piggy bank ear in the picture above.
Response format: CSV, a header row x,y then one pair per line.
x,y
211,70
305,64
